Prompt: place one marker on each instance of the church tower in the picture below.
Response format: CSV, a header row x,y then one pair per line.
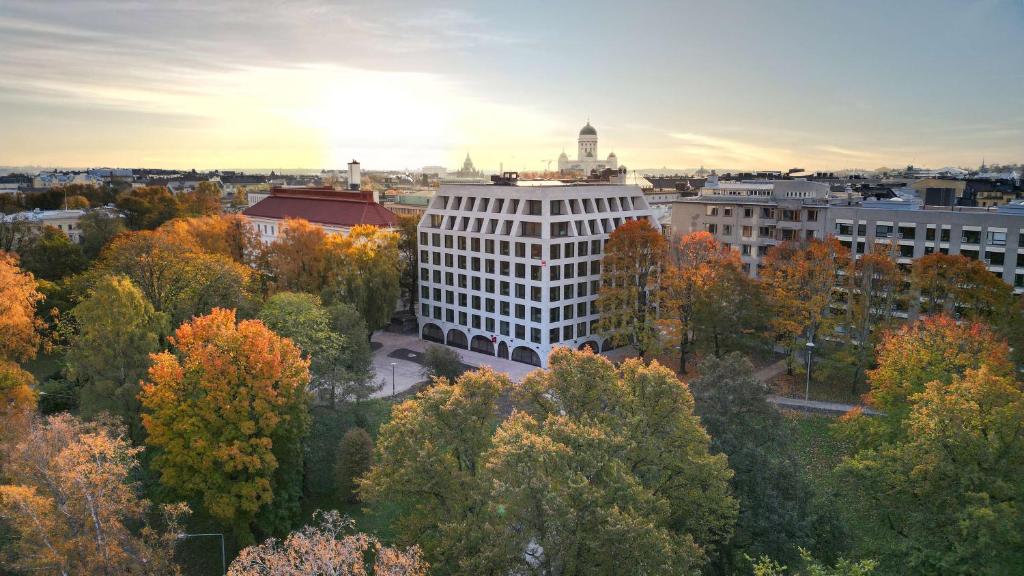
x,y
587,144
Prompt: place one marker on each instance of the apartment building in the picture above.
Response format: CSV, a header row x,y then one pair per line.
x,y
513,269
750,217
993,235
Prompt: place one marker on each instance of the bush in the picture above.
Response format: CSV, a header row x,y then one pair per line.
x,y
442,362
355,455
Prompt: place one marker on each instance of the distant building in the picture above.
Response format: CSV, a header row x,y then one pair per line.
x,y
587,160
513,270
64,220
750,217
409,204
336,211
468,174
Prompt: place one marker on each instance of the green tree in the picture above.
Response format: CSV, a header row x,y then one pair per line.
x,y
765,566
408,249
98,229
149,207
775,499
355,456
301,318
117,331
226,414
364,267
945,498
202,201
353,371
442,362
50,254
631,268
600,470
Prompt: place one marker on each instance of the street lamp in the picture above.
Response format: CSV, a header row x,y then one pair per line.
x,y
807,390
223,556
392,380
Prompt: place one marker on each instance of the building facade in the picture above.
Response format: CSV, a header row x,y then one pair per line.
x,y
587,160
35,220
336,211
513,270
993,235
751,217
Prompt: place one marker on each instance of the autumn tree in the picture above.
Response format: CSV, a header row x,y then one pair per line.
x,y
202,201
945,497
148,207
329,547
355,456
765,566
117,331
98,229
955,284
364,268
799,279
775,508
230,235
76,202
297,257
71,503
226,414
19,327
870,296
932,348
50,254
696,267
631,272
240,199
596,471
408,249
177,276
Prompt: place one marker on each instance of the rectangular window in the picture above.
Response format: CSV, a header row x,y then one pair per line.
x,y
503,328
531,229
712,211
712,228
553,335
520,332
556,207
908,232
556,251
996,238
559,229
535,335
929,234
747,231
556,314
556,272
748,212
533,207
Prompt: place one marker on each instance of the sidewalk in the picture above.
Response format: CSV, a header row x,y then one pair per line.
x,y
769,372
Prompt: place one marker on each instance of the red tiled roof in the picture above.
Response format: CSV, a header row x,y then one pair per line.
x,y
323,206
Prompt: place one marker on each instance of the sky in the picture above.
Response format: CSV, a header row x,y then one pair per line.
x,y
815,84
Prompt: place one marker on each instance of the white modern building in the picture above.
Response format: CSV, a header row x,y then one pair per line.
x,y
513,270
587,160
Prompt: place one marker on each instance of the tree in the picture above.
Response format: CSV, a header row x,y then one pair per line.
x,y
76,202
799,280
176,276
945,497
872,293
765,566
408,249
71,503
301,318
775,513
696,264
932,348
12,230
327,548
733,315
442,362
598,470
230,235
630,278
50,254
19,327
355,456
202,201
955,284
98,229
297,257
364,268
118,329
353,370
240,199
148,207
17,405
226,415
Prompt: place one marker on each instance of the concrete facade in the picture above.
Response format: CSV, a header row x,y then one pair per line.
x,y
511,271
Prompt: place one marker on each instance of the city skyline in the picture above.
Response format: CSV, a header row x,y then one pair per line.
x,y
310,84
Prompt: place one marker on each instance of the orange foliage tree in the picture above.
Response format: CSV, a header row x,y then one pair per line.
x,y
230,235
956,284
19,327
799,279
327,548
930,349
297,259
71,502
631,273
226,416
364,268
695,268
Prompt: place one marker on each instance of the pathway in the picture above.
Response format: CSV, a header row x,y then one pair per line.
x,y
767,373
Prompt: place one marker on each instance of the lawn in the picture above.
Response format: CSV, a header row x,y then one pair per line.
x,y
816,448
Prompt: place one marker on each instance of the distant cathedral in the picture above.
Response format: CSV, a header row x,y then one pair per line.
x,y
468,170
586,161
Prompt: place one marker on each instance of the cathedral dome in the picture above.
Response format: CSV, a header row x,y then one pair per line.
x,y
612,155
588,130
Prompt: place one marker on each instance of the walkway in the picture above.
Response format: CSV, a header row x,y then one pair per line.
x,y
767,373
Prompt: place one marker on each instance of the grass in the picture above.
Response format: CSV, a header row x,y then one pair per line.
x,y
817,449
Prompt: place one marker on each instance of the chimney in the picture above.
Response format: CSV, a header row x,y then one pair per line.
x,y
353,175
